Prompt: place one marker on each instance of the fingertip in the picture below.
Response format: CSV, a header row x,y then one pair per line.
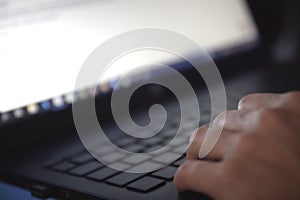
x,y
197,134
198,176
180,177
177,180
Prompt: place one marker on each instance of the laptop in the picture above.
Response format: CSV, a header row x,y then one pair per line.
x,y
43,47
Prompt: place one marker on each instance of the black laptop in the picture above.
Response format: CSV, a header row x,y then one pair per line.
x,y
43,46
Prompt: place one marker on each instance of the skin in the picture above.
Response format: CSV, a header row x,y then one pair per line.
x,y
257,155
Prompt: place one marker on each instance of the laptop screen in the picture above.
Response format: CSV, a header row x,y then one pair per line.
x,y
43,44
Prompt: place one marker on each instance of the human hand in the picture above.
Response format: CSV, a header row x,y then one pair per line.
x,y
257,155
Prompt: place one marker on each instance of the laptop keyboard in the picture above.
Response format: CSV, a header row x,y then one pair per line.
x,y
96,171
82,164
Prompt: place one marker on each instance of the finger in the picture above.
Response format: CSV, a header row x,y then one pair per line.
x,y
290,101
197,175
232,120
258,100
197,140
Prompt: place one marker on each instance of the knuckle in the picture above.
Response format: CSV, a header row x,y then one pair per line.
x,y
273,122
268,116
266,113
291,97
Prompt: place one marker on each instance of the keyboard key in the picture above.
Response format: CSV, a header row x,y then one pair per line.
x,y
176,119
180,149
72,151
124,178
51,162
166,173
102,174
86,168
205,118
146,166
146,184
120,166
136,159
186,133
170,133
125,142
153,141
167,158
64,166
103,150
82,158
112,157
179,162
162,150
178,141
135,148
